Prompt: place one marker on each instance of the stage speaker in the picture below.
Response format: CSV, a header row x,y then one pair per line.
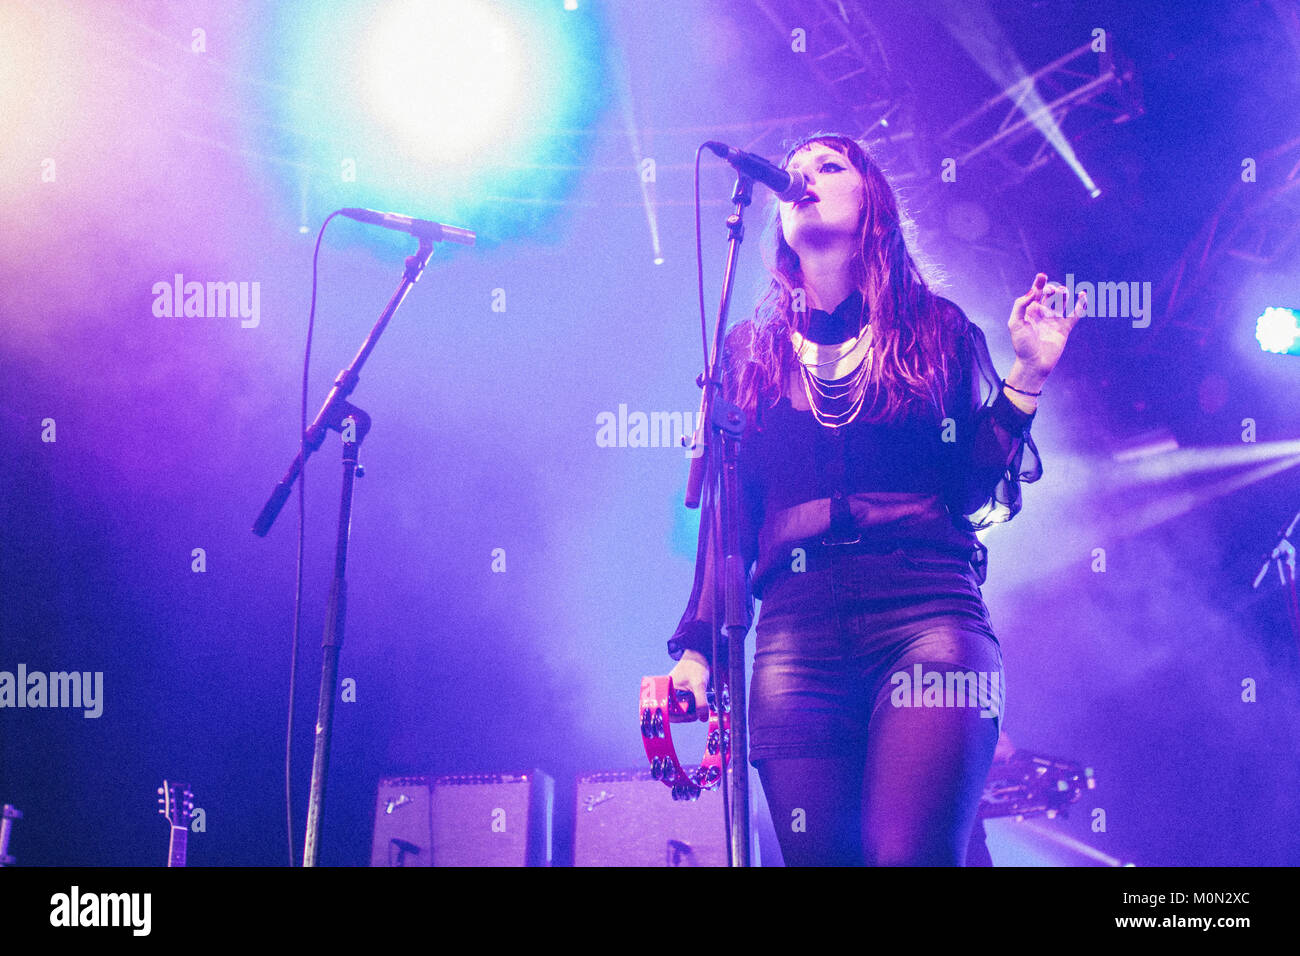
x,y
468,820
627,818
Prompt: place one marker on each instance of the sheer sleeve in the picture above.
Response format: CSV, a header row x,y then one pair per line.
x,y
698,624
996,450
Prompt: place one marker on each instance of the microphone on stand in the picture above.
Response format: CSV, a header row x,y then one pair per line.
x,y
787,185
420,228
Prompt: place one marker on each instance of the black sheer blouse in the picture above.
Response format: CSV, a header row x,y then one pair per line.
x,y
917,482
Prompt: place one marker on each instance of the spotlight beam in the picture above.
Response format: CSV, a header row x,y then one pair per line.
x,y
1088,513
1166,509
978,31
624,73
1189,461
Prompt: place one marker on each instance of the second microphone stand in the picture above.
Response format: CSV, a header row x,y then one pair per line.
x,y
337,414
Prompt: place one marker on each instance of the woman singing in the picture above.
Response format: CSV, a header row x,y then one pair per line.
x,y
879,439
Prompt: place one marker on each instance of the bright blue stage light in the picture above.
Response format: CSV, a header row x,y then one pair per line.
x,y
454,110
1278,330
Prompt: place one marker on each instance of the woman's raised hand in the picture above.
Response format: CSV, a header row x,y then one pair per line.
x,y
1039,327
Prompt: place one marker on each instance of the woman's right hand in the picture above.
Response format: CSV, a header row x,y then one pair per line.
x,y
692,673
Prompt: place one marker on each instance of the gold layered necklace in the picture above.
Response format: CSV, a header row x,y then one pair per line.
x,y
835,377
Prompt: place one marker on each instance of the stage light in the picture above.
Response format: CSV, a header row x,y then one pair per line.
x,y
443,76
570,4
659,260
453,110
51,101
1278,330
20,72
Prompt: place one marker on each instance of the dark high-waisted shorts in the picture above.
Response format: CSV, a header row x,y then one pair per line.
x,y
832,639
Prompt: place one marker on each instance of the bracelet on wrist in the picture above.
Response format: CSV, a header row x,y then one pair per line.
x,y
1019,391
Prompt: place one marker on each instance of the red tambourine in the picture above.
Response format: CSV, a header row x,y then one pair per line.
x,y
659,702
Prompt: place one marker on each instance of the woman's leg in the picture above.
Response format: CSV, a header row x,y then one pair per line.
x,y
805,698
816,808
905,784
922,781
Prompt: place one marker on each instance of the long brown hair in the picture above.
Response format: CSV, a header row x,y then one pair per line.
x,y
913,332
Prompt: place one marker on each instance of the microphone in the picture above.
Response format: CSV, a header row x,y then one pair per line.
x,y
788,186
420,228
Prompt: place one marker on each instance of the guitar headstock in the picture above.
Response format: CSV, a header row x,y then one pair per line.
x,y
176,803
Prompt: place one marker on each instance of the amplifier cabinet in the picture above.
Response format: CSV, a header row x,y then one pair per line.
x,y
466,820
627,818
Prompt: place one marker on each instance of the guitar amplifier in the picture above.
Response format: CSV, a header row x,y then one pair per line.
x,y
627,818
468,820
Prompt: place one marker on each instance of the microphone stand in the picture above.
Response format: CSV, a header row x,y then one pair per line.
x,y
339,415
721,436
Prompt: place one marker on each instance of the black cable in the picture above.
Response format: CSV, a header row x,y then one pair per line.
x,y
302,515
699,269
708,514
